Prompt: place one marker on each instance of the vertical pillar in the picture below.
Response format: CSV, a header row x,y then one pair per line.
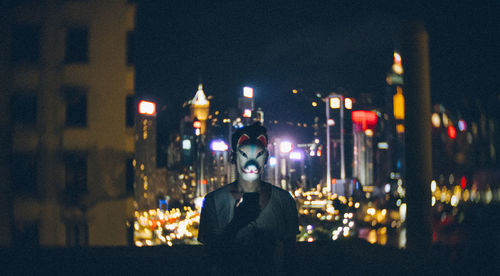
x,y
415,51
328,165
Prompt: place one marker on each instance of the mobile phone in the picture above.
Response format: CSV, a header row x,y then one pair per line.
x,y
252,199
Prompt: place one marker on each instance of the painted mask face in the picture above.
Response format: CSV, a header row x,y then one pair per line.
x,y
250,161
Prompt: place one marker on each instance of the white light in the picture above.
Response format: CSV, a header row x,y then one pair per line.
x,y
198,202
272,161
219,145
383,145
248,92
335,103
462,126
402,212
312,153
186,144
247,113
433,186
331,122
348,103
197,132
286,147
295,155
147,108
387,188
316,141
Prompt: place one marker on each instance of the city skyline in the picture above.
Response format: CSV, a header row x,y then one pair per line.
x,y
325,47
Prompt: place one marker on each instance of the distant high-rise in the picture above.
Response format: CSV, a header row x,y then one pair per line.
x,y
145,156
66,123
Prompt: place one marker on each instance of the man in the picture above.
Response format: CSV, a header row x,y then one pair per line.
x,y
249,226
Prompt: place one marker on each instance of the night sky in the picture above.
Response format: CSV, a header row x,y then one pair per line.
x,y
313,46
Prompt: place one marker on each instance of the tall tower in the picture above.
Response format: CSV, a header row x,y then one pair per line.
x,y
66,81
200,108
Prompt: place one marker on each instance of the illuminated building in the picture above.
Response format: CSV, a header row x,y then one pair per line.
x,y
246,106
145,156
200,108
364,124
395,109
67,80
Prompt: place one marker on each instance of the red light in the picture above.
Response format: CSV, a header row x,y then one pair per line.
x,y
204,182
318,153
147,108
197,124
364,119
452,132
463,182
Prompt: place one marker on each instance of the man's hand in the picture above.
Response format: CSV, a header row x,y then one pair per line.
x,y
245,211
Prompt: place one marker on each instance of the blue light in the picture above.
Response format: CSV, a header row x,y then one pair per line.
x,y
272,161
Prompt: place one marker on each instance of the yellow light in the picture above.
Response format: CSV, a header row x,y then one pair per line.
x,y
314,104
369,132
399,104
400,128
335,103
294,91
348,103
436,121
445,120
397,68
372,236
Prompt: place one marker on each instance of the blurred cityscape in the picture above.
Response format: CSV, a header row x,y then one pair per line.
x,y
81,165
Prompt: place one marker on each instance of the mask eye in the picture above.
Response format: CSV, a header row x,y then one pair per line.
x,y
260,153
243,153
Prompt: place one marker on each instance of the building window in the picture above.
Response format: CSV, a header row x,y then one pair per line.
x,y
77,234
23,173
76,106
77,40
130,111
130,48
25,47
130,176
23,109
76,176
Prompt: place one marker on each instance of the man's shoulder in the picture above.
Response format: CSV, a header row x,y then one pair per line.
x,y
281,193
220,192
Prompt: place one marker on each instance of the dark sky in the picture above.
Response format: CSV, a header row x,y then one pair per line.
x,y
316,46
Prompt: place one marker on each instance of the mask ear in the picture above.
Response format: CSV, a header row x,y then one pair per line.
x,y
242,139
262,139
